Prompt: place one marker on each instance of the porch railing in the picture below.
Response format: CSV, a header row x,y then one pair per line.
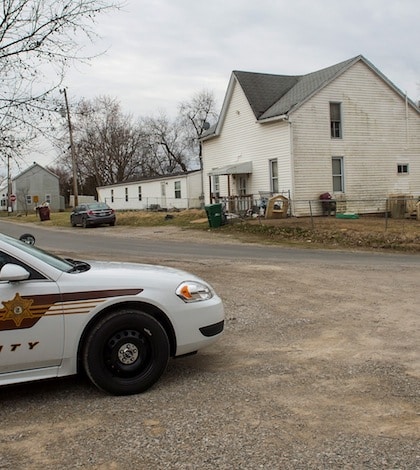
x,y
236,204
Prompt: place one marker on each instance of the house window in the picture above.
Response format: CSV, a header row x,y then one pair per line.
x,y
48,198
139,192
335,120
216,185
177,187
338,174
274,178
28,199
126,194
402,168
112,195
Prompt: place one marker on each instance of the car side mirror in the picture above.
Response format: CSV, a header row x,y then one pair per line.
x,y
13,272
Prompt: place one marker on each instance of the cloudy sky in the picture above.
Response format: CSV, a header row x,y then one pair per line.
x,y
161,52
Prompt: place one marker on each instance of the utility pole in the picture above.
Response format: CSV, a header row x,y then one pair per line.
x,y
73,154
9,187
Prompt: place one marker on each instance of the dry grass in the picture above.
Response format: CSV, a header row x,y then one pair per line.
x,y
365,232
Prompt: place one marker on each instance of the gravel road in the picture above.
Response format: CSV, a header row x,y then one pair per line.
x,y
319,368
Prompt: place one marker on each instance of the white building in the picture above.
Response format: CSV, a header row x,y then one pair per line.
x,y
178,191
346,130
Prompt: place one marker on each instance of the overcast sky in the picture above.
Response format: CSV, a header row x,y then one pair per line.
x,y
162,52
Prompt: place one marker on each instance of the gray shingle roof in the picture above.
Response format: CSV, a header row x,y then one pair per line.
x,y
263,90
274,95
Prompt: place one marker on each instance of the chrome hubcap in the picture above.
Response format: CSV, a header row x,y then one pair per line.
x,y
128,353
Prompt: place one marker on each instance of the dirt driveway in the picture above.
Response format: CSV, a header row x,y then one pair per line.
x,y
319,368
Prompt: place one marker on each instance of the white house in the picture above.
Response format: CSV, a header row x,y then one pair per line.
x,y
31,188
177,191
346,130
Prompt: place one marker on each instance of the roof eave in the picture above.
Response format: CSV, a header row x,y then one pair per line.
x,y
281,117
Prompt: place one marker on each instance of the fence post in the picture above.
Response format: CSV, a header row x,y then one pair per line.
x,y
310,211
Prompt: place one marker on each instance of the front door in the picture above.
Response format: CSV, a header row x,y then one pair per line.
x,y
241,190
163,195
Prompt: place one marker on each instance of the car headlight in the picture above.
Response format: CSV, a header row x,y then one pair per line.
x,y
193,291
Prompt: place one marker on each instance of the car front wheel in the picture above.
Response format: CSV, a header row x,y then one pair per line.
x,y
126,352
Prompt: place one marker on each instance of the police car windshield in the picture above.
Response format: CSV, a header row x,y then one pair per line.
x,y
52,260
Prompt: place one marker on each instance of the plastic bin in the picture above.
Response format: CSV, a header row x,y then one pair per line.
x,y
215,215
44,213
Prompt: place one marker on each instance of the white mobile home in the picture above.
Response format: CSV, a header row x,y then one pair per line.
x,y
178,191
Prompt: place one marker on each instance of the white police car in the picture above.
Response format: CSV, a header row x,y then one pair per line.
x,y
119,322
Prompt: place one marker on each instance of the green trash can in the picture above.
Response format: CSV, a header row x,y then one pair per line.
x,y
215,215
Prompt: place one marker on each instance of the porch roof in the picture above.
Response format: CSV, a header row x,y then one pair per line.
x,y
233,169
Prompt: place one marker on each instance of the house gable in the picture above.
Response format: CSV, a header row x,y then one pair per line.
x,y
275,96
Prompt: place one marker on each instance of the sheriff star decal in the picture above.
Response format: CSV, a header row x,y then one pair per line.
x,y
23,312
17,309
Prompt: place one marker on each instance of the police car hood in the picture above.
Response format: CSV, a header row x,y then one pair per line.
x,y
117,273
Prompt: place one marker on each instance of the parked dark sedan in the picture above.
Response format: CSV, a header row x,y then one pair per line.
x,y
94,213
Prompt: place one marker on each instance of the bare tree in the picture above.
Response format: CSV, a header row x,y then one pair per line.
x,y
174,146
195,117
65,180
165,149
107,142
111,148
39,39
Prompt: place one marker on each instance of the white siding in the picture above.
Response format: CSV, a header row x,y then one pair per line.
x,y
243,139
151,193
376,136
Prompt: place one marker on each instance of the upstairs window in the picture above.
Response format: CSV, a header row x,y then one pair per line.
x,y
139,193
335,120
402,168
126,194
112,195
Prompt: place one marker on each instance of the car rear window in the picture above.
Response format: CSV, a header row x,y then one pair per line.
x,y
95,207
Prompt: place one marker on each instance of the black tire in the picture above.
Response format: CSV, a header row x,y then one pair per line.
x,y
27,238
126,352
73,223
112,224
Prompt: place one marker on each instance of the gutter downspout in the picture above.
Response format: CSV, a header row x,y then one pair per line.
x,y
292,167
